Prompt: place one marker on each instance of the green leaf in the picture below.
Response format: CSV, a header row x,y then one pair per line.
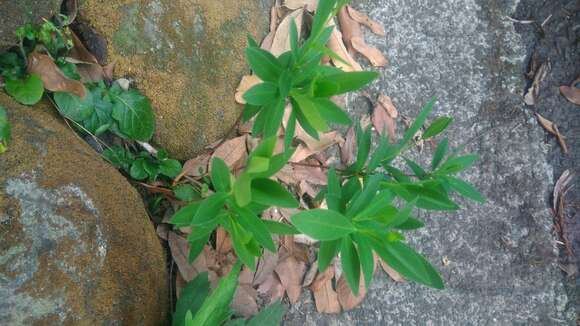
x,y
170,168
101,119
326,253
252,223
264,64
363,140
270,316
257,164
440,152
331,112
437,127
303,121
240,241
416,168
184,216
344,82
279,227
137,171
310,111
322,224
265,148
294,37
271,193
275,115
429,195
27,91
261,94
220,175
364,198
216,309
290,131
457,164
323,12
242,190
465,189
367,260
381,202
350,264
197,241
134,116
408,263
4,129
410,224
250,111
209,209
191,298
185,192
334,193
350,189
418,123
73,107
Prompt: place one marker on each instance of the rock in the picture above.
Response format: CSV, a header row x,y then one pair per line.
x,y
18,13
77,245
501,257
187,56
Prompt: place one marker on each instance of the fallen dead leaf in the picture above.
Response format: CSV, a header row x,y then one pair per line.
x,y
223,242
561,187
336,44
179,248
246,83
363,19
272,289
87,65
310,5
571,93
310,275
553,129
196,167
233,152
266,265
374,55
281,41
348,148
52,78
346,298
393,274
325,298
383,118
291,273
531,96
244,302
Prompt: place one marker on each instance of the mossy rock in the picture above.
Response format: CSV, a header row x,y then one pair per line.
x,y
77,246
187,56
16,13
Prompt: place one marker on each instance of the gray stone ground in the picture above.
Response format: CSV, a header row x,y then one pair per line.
x,y
503,257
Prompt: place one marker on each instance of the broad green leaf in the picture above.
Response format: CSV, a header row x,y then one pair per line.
x,y
184,216
350,264
134,115
265,148
242,190
410,224
364,198
170,168
264,64
279,227
304,123
4,129
334,192
216,308
250,111
277,162
437,126
457,164
189,319
408,263
185,192
269,316
294,37
271,193
197,241
27,91
73,107
418,123
440,152
344,82
310,111
220,175
322,224
209,209
275,115
350,189
252,223
261,94
331,112
251,42
381,202
326,253
240,241
367,260
191,298
465,189
101,119
429,195
257,164
138,171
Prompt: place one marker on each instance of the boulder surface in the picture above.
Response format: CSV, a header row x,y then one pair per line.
x,y
77,247
187,56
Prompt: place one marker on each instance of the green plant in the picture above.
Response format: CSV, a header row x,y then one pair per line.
x,y
4,130
197,307
370,203
143,166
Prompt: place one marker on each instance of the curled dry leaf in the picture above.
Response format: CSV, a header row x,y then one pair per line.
x,y
561,187
347,149
281,41
310,275
87,65
363,19
571,93
346,298
393,274
246,83
336,44
383,118
233,152
350,29
325,298
553,129
374,55
52,78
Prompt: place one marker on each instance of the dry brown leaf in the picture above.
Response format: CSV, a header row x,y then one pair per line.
x,y
383,118
347,149
310,5
350,29
246,83
266,265
393,274
196,167
553,129
531,96
374,55
291,271
346,298
363,19
52,78
310,275
561,187
233,152
87,65
314,146
163,231
336,44
179,248
244,302
571,93
180,283
281,41
325,298
223,243
272,288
